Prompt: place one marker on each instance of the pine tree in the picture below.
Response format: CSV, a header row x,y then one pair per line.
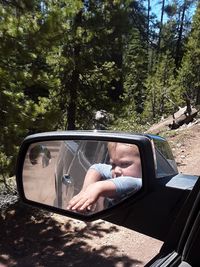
x,y
189,75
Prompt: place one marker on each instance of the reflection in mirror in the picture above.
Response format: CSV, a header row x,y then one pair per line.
x,y
81,175
39,154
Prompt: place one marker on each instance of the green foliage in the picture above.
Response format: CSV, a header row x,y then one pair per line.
x,y
61,61
135,72
163,97
129,121
189,74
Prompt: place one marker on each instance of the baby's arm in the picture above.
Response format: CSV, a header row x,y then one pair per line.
x,y
91,177
90,192
126,185
97,172
86,198
113,188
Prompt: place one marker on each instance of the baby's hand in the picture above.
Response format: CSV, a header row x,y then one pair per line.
x,y
86,199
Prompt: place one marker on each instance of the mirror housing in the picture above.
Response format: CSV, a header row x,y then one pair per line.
x,y
35,145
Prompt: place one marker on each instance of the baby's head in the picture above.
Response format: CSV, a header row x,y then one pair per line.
x,y
125,160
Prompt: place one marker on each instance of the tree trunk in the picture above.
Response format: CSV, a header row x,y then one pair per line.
x,y
161,25
180,33
71,109
148,34
73,86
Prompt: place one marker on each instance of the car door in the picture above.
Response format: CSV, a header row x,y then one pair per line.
x,y
181,247
74,159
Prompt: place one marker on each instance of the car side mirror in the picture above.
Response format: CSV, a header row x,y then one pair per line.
x,y
84,175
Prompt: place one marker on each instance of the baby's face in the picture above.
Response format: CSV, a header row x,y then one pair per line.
x,y
125,161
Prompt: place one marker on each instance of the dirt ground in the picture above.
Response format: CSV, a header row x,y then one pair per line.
x,y
30,238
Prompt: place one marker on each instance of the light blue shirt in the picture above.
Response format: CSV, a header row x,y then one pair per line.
x,y
124,184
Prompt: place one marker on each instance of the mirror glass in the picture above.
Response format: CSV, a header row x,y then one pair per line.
x,y
83,176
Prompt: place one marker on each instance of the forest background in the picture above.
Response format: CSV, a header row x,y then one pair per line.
x,y
63,61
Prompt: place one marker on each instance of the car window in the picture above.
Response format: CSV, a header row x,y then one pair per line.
x,y
94,151
72,145
90,150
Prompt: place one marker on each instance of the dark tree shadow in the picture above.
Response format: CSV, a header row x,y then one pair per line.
x,y
30,237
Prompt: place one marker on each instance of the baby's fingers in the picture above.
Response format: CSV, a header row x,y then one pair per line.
x,y
88,205
82,205
72,203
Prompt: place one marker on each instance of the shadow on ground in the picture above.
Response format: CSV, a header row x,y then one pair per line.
x,y
30,237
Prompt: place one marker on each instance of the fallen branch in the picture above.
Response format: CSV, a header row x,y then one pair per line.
x,y
184,118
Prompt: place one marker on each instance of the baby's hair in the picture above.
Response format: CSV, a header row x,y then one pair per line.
x,y
112,146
